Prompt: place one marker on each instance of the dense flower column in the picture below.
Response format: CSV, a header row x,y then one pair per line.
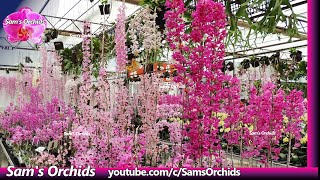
x,y
85,128
59,79
264,123
270,122
176,36
44,84
146,102
294,109
199,57
232,129
120,39
124,110
251,120
85,89
144,35
206,79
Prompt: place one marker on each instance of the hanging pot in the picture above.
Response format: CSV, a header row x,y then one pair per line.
x,y
299,56
245,64
230,66
224,68
265,60
275,58
254,62
104,9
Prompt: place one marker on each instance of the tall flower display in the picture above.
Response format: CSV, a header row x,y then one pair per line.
x,y
199,67
120,39
144,35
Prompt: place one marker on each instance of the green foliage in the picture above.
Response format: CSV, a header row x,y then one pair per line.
x,y
71,63
266,25
72,58
153,3
104,1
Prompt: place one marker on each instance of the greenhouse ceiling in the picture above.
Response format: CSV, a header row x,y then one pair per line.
x,y
67,17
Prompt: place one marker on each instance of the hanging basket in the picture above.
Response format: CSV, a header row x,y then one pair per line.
x,y
224,68
254,62
275,58
104,9
245,64
265,60
230,66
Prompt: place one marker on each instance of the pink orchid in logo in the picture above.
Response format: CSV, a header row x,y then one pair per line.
x,y
24,25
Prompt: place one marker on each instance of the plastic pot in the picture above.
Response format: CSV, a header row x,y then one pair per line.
x,y
255,62
104,9
230,66
245,64
265,60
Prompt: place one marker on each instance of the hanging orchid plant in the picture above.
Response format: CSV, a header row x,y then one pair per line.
x,y
145,36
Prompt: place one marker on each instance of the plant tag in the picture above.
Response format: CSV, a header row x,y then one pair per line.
x,y
50,145
55,144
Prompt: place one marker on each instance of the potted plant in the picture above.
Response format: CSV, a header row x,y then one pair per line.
x,y
245,64
223,69
159,7
254,62
230,66
104,7
275,58
295,55
299,56
264,61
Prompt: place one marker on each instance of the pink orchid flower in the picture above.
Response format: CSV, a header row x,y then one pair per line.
x,y
24,25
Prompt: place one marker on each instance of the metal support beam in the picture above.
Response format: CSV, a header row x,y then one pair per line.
x,y
80,15
65,32
68,19
283,8
261,47
279,30
68,11
268,52
44,6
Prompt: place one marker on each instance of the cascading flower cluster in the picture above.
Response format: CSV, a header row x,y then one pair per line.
x,y
149,128
265,116
120,39
143,28
199,70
